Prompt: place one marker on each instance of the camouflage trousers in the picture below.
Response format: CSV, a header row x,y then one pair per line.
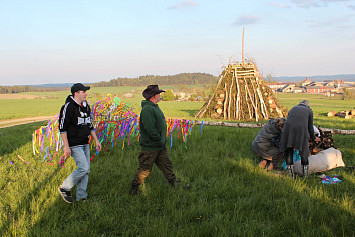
x,y
146,161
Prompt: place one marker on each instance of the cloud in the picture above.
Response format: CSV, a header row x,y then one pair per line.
x,y
306,3
352,7
247,20
274,4
184,4
342,22
315,3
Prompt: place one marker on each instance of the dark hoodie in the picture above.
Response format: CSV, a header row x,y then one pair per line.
x,y
263,144
75,120
152,127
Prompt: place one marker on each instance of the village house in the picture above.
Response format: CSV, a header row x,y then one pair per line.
x,y
299,89
277,85
288,88
307,86
306,82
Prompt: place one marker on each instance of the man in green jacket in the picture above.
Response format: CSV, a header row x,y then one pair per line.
x,y
152,128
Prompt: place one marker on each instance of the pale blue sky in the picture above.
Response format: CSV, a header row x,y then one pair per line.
x,y
90,41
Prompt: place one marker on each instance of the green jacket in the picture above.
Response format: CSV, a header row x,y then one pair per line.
x,y
152,127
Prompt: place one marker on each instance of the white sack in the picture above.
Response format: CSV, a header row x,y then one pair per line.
x,y
325,160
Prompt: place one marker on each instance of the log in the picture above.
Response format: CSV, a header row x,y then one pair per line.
x,y
251,100
238,97
246,101
259,125
230,99
332,113
225,102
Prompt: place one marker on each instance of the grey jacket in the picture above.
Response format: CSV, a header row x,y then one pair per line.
x,y
262,145
298,129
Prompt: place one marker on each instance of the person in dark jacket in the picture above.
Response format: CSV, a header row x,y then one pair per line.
x,y
267,143
296,134
75,126
152,140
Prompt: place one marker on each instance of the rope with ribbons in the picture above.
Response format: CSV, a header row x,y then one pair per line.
x,y
115,123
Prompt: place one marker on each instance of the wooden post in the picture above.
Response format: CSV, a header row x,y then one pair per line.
x,y
243,46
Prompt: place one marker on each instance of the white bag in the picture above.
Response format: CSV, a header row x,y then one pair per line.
x,y
325,160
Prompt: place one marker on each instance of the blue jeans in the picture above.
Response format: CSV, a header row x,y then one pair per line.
x,y
80,176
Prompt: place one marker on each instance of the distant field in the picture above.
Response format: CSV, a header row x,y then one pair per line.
x,y
50,103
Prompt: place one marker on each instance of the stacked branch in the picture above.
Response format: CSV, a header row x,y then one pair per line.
x,y
241,94
325,143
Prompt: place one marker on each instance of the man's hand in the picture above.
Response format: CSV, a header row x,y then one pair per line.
x,y
318,139
98,145
67,151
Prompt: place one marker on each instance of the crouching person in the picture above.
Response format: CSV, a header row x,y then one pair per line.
x,y
266,144
152,129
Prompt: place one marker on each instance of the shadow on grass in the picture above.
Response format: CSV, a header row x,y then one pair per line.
x,y
12,138
23,204
191,112
294,207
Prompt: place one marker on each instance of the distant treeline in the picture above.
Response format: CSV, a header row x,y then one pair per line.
x,y
19,89
178,79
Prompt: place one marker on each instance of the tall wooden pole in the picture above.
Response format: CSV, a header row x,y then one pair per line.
x,y
243,46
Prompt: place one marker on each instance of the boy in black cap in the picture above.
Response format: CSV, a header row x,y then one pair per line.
x,y
75,126
152,128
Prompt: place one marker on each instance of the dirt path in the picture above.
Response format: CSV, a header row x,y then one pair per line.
x,y
14,122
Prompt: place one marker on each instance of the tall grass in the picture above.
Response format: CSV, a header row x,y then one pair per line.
x,y
229,194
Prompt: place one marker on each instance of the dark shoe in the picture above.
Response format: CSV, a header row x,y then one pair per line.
x,y
66,195
305,170
263,164
135,190
172,182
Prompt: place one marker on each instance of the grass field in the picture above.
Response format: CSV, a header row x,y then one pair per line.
x,y
229,195
21,108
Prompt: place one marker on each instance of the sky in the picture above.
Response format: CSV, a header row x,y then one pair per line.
x,y
47,42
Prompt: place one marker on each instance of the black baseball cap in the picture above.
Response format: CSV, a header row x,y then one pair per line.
x,y
79,87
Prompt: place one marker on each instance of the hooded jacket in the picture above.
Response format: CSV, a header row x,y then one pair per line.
x,y
298,129
263,144
75,120
152,127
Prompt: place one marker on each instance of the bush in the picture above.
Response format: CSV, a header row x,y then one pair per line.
x,y
193,97
349,94
168,95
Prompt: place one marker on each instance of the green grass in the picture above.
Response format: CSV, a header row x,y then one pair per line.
x,y
229,195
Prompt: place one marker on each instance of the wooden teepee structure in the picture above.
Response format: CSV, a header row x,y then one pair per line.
x,y
241,94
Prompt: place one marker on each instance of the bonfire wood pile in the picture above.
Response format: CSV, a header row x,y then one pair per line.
x,y
325,143
343,114
241,94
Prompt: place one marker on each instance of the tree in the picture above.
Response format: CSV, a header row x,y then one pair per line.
x,y
349,94
168,95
